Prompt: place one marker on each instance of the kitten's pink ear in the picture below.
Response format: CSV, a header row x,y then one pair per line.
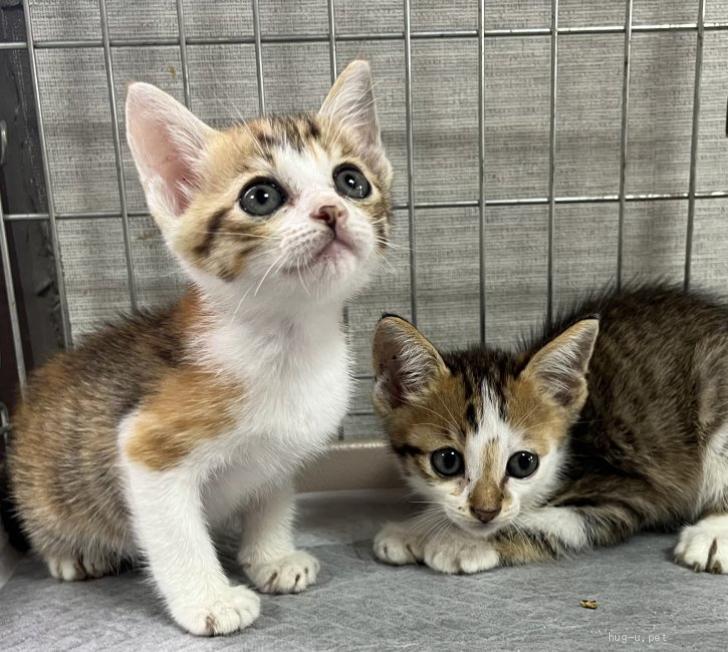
x,y
405,363
167,143
559,368
351,102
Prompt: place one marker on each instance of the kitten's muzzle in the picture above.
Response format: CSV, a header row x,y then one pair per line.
x,y
485,515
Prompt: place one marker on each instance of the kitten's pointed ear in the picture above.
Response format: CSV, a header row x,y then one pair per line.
x,y
351,101
559,368
167,143
405,363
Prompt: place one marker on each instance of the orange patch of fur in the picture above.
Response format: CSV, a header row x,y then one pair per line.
x,y
190,406
530,410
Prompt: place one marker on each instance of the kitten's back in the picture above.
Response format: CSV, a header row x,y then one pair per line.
x,y
658,385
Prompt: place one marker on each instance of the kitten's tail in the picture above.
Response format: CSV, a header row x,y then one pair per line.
x,y
8,518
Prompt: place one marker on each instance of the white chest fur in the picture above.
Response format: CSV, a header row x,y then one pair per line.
x,y
297,385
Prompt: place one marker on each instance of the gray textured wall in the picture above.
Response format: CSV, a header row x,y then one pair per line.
x,y
445,93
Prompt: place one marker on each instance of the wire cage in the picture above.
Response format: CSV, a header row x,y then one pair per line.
x,y
540,147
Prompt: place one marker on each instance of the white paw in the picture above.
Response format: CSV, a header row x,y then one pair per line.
x,y
704,546
395,545
70,569
234,608
453,554
290,574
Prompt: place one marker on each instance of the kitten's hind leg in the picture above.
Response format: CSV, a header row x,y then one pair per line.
x,y
704,546
71,568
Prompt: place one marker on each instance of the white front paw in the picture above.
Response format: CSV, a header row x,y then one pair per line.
x,y
704,546
289,574
395,545
234,608
454,554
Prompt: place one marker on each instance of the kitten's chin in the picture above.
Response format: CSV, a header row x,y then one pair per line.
x,y
337,270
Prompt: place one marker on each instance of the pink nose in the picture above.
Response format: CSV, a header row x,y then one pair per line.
x,y
329,214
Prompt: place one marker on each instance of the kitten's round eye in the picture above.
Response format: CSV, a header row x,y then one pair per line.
x,y
447,462
261,197
522,464
351,182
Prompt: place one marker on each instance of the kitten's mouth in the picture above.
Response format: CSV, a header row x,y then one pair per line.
x,y
478,529
337,247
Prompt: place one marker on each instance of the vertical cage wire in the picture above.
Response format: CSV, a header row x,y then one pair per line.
x,y
481,165
258,57
12,304
410,158
55,247
624,127
694,142
332,40
183,53
121,181
552,158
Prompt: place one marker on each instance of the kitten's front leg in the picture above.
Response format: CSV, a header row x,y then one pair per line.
x,y
169,524
431,538
403,543
267,553
543,534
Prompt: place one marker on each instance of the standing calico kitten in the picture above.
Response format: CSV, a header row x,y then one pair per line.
x,y
604,426
155,430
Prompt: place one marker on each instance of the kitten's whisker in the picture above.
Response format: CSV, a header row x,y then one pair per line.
x,y
268,271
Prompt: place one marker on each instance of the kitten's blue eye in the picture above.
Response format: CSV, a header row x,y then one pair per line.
x,y
522,464
447,462
351,182
261,197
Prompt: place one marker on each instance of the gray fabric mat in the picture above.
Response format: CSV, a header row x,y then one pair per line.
x,y
362,605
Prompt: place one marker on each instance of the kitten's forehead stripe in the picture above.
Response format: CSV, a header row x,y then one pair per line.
x,y
471,417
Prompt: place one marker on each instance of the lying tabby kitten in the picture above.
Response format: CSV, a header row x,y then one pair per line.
x,y
168,424
603,426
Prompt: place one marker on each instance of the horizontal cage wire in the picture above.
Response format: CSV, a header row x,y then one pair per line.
x,y
404,35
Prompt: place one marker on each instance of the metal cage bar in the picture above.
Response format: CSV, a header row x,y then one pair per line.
x,y
60,278
410,159
12,304
623,138
367,36
332,39
183,53
481,167
552,158
109,65
258,57
432,205
694,143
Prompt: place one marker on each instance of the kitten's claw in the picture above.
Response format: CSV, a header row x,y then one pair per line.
x,y
234,609
453,555
704,546
394,545
290,574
